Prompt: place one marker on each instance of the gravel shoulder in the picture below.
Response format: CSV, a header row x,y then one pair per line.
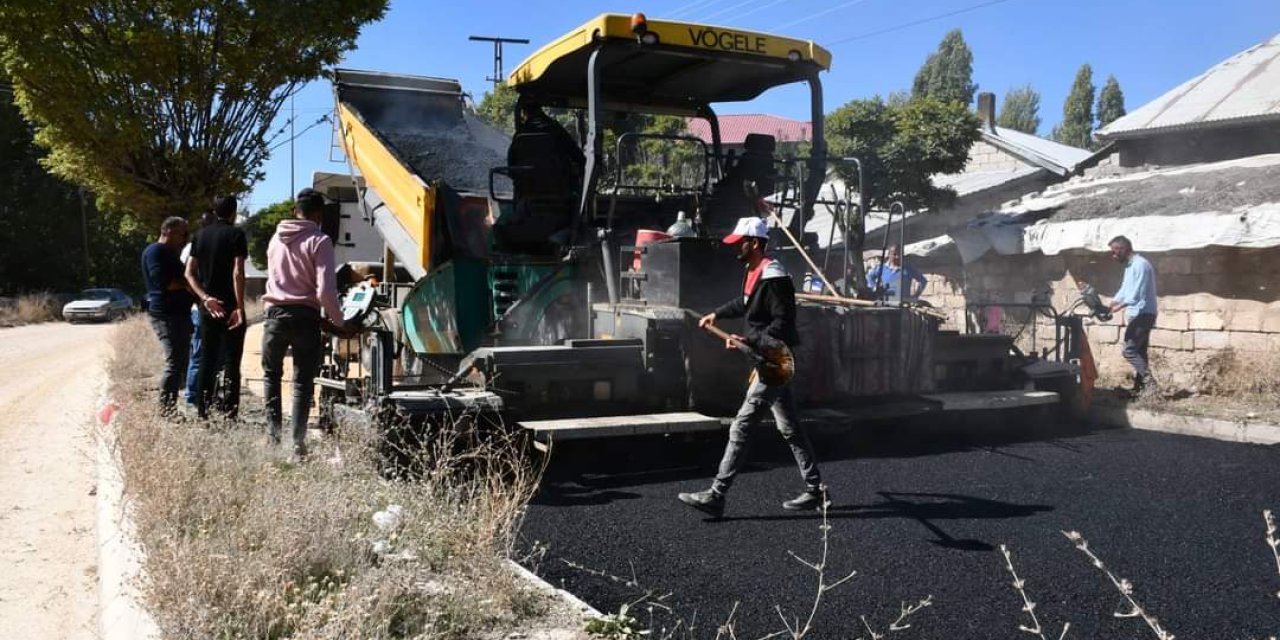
x,y
49,387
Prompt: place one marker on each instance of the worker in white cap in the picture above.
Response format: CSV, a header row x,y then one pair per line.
x,y
768,304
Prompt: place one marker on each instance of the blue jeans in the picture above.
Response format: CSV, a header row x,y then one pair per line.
x,y
222,349
783,405
295,327
174,332
193,365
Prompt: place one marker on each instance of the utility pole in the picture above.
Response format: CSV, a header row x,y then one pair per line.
x,y
292,117
84,228
497,77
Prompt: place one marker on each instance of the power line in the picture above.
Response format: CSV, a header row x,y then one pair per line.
x,y
819,14
726,10
696,4
905,25
760,8
323,119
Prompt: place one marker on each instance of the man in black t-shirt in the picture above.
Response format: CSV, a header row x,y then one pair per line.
x,y
215,272
168,303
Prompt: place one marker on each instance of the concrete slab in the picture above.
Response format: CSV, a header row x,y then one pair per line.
x,y
988,400
618,426
1218,429
120,558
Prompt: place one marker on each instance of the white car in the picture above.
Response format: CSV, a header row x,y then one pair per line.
x,y
102,305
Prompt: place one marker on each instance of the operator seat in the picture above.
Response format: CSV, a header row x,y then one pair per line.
x,y
546,176
729,199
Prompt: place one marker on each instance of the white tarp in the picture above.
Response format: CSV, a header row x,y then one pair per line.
x,y
1251,227
1085,213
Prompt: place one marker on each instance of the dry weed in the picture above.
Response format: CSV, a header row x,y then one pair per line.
x,y
240,543
1122,585
623,625
1242,375
30,308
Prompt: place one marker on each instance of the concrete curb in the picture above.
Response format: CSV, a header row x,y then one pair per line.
x,y
542,585
1242,431
121,615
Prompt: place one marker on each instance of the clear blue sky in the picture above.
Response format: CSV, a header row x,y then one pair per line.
x,y
1150,46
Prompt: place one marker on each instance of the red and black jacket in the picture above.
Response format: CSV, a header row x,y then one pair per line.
x,y
769,308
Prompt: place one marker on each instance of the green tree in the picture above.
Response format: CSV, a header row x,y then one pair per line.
x,y
45,223
1076,128
900,146
663,162
261,226
898,98
947,74
158,106
1021,110
1110,102
498,108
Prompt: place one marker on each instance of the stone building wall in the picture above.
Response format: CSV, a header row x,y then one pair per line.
x,y
1210,300
1209,145
984,156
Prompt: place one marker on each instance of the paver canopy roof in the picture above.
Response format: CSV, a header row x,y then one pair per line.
x,y
689,66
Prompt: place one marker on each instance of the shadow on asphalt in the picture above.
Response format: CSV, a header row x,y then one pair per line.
x,y
589,471
925,508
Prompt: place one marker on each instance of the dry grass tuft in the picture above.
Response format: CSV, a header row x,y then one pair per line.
x,y
240,543
30,308
1242,375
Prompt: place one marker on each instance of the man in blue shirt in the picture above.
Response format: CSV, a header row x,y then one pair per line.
x,y
1137,297
889,275
168,304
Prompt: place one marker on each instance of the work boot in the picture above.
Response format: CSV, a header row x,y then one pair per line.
x,y
1149,390
810,500
710,501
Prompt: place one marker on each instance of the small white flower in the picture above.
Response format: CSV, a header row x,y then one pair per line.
x,y
390,518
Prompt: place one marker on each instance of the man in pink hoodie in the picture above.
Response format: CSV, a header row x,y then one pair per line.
x,y
301,300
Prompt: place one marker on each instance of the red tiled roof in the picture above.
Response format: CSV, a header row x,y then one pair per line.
x,y
734,128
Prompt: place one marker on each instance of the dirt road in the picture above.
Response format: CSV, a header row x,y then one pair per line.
x,y
51,376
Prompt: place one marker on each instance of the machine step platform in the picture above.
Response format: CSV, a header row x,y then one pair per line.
x,y
618,426
988,400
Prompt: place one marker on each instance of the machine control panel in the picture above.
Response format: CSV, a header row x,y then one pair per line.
x,y
357,303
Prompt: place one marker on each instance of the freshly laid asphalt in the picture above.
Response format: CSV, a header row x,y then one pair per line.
x,y
920,510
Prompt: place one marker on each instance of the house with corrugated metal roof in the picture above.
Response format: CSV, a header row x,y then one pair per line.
x,y
734,129
1230,111
1003,165
1193,179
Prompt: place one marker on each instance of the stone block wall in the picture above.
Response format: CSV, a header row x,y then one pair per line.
x,y
987,157
1211,300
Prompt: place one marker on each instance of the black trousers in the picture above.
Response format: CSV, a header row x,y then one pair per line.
x,y
293,328
1137,336
216,339
174,332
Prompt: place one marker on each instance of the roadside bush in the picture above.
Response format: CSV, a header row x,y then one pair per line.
x,y
240,543
1241,374
31,308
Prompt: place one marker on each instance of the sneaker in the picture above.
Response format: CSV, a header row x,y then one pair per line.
x,y
299,453
810,500
710,501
